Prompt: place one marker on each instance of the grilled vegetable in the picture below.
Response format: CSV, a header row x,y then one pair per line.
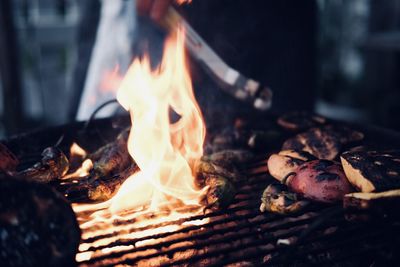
x,y
38,226
202,169
324,143
106,187
300,120
53,165
221,192
286,161
319,180
372,171
277,199
381,204
111,158
8,161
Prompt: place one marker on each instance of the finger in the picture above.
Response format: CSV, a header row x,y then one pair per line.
x,y
143,7
159,9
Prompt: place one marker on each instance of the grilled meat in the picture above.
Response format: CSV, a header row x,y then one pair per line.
x,y
101,189
320,180
53,165
220,193
105,188
324,143
372,171
277,199
8,161
202,169
111,158
286,161
300,120
38,226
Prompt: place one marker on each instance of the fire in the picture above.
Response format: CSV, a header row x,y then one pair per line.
x,y
163,150
164,189
77,154
77,151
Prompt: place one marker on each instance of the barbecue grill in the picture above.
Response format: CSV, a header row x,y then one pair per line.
x,y
239,235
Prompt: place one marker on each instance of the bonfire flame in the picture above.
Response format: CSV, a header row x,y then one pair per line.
x,y
162,149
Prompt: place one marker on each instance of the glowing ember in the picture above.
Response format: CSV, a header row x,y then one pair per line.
x,y
162,149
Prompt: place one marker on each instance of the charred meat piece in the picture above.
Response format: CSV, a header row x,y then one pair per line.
x,y
111,158
202,169
345,134
100,189
324,143
287,161
372,171
277,199
220,193
8,161
105,188
320,180
38,226
300,120
53,165
382,204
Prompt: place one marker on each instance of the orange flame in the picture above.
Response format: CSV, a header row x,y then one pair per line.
x,y
162,149
77,151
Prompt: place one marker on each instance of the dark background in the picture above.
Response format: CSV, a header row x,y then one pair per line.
x,y
337,57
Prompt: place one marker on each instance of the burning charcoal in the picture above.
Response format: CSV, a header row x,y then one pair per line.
x,y
8,161
111,158
320,180
325,142
277,199
37,225
53,165
287,161
221,192
381,204
300,120
372,171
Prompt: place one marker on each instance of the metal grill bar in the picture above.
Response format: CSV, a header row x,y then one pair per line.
x,y
201,236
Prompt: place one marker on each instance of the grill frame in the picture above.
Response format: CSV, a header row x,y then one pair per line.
x,y
383,232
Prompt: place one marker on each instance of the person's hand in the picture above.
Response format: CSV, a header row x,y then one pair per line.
x,y
154,9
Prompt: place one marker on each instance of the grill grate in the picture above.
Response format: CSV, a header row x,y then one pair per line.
x,y
242,235
237,236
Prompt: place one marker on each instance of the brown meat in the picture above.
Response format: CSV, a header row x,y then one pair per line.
x,y
372,171
38,226
320,180
325,142
111,158
53,165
